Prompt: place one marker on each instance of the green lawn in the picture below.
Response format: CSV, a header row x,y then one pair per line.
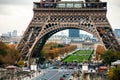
x,y
79,56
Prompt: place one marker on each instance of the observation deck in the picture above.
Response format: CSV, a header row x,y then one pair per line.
x,y
69,6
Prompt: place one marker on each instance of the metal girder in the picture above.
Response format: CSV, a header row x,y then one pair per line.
x,y
46,23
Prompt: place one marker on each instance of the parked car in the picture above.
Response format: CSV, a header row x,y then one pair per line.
x,y
102,68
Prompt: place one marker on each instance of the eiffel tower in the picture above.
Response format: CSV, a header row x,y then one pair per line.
x,y
51,16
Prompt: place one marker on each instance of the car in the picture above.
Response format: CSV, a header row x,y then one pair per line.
x,y
102,68
64,75
67,73
26,69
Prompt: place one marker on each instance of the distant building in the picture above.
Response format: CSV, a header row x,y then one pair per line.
x,y
10,34
73,33
14,33
10,40
4,34
85,36
82,42
117,33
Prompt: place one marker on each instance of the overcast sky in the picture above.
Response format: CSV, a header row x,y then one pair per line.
x,y
17,14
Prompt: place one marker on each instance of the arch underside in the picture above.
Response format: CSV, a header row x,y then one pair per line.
x,y
42,27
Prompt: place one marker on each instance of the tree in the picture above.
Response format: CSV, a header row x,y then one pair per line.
x,y
3,52
3,48
114,73
8,54
21,63
100,50
53,50
41,58
110,56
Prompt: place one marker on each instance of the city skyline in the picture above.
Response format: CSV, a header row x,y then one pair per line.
x,y
16,15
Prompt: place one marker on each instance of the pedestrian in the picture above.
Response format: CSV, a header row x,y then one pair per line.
x,y
61,78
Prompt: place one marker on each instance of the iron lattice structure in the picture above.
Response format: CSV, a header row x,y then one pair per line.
x,y
53,16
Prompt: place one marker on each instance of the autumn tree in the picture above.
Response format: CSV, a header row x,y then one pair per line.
x,y
21,63
3,48
54,50
100,50
114,73
8,54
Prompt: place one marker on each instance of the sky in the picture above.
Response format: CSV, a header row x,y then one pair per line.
x,y
17,14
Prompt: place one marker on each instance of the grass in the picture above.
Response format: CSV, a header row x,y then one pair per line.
x,y
79,56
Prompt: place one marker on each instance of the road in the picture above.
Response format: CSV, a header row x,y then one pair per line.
x,y
55,74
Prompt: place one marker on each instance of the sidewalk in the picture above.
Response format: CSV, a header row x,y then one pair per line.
x,y
33,76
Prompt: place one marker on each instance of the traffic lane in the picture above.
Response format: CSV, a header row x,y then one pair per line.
x,y
62,73
47,75
55,74
69,74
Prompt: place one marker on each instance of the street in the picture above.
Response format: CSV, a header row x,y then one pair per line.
x,y
55,74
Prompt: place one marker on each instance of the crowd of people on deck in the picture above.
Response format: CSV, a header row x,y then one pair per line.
x,y
88,3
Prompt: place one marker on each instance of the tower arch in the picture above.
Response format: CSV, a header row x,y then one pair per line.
x,y
56,16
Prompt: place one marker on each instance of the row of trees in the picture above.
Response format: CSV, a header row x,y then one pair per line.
x,y
54,50
8,54
109,56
